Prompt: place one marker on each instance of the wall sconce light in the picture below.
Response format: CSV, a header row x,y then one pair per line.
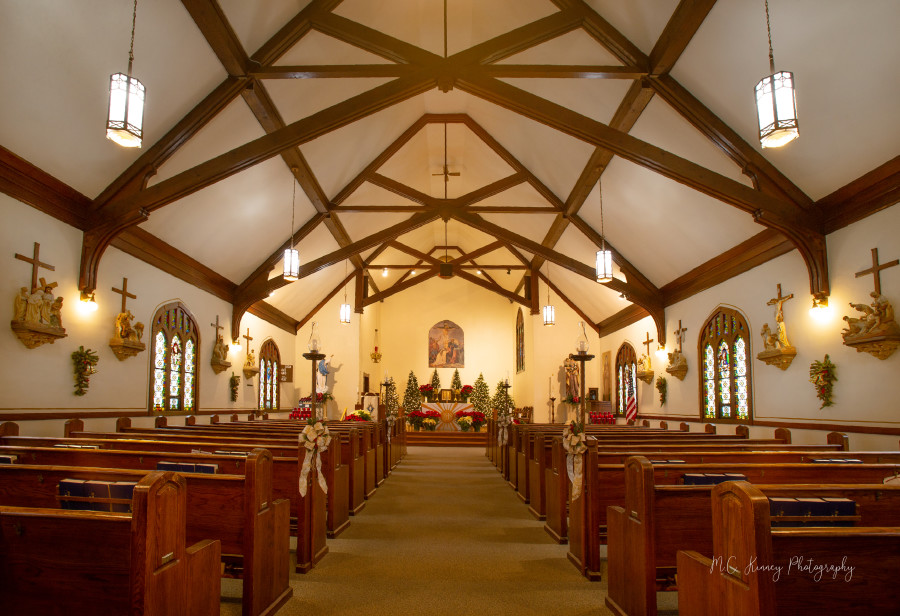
x,y
88,302
820,311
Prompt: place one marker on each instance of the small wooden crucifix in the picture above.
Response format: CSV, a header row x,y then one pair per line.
x,y
124,292
646,343
778,302
248,338
35,265
875,270
679,335
218,327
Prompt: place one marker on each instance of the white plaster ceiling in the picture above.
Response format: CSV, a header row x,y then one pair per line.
x,y
56,60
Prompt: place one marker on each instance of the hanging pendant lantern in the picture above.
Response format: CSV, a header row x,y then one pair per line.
x,y
604,257
548,310
291,256
125,119
346,311
776,103
315,342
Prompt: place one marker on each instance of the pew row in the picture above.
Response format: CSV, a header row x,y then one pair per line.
x,y
51,562
757,570
658,521
605,486
237,510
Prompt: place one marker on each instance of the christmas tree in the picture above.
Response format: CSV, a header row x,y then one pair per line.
x,y
499,399
456,383
391,401
481,397
435,382
412,398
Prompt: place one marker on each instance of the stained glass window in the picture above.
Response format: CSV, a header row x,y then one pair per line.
x,y
626,377
725,379
269,359
174,362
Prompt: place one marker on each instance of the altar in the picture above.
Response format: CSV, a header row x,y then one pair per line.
x,y
448,412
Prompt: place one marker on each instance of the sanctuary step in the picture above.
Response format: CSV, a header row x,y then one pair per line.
x,y
446,439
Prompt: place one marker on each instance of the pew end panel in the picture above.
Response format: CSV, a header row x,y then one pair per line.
x,y
122,423
9,428
72,425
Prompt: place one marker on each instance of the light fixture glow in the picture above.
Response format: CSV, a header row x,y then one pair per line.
x,y
412,272
235,346
661,352
776,103
820,310
346,311
125,119
384,272
604,257
88,302
549,310
291,256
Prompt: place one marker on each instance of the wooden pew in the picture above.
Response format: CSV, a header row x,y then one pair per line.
x,y
743,577
308,512
238,510
658,521
605,487
52,563
337,475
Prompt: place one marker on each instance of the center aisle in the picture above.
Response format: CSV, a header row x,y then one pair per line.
x,y
444,535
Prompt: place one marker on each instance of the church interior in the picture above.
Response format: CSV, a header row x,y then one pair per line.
x,y
689,205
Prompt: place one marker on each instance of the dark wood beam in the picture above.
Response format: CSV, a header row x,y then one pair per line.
x,y
219,35
681,28
276,317
401,285
873,192
493,287
333,71
488,190
360,292
292,32
561,71
399,188
421,256
35,187
373,41
603,32
620,320
755,251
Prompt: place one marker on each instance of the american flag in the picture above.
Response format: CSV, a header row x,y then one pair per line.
x,y
631,408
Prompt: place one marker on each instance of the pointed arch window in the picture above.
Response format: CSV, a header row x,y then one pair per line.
x,y
725,393
626,377
173,362
269,363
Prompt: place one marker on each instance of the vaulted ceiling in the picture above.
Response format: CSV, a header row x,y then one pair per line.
x,y
487,148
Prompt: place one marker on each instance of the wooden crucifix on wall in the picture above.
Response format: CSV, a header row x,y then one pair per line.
x,y
126,342
645,369
875,329
219,360
37,316
250,368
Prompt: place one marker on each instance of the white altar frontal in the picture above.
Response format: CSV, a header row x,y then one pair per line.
x,y
448,413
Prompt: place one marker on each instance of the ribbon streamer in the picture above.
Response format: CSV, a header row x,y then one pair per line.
x,y
316,439
573,443
503,434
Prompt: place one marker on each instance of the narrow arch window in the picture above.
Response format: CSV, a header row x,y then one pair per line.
x,y
626,377
269,363
174,360
725,380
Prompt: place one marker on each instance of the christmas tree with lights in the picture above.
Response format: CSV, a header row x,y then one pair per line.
x,y
391,400
481,397
412,398
499,399
456,383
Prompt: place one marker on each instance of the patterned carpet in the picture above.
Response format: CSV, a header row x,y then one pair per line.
x,y
444,535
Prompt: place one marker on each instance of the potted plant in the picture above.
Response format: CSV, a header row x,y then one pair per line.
x,y
431,420
427,390
463,420
466,391
415,418
478,419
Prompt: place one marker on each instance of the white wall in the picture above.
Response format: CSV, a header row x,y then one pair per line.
x,y
41,379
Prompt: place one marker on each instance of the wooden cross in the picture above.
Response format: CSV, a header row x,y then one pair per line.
x,y
45,284
247,338
646,343
35,265
779,301
218,327
875,270
124,292
679,334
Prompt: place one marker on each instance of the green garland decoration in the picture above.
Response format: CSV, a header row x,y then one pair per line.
x,y
821,374
663,388
83,362
234,382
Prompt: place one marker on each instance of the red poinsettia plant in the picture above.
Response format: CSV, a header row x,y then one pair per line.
x,y
476,418
426,389
466,391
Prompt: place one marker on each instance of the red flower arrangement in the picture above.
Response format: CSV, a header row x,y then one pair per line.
x,y
477,417
466,391
432,414
426,389
415,418
320,397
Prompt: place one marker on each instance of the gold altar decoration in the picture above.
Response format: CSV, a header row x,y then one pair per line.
x,y
37,315
778,350
875,331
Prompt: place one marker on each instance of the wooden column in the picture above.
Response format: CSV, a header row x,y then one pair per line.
x,y
314,358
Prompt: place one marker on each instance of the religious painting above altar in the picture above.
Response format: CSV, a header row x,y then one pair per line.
x,y
446,345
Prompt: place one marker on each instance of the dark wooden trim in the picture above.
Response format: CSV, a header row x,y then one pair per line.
x,y
757,250
601,30
332,71
150,249
324,301
562,71
401,285
35,187
876,190
794,425
622,319
271,314
569,302
681,28
214,26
